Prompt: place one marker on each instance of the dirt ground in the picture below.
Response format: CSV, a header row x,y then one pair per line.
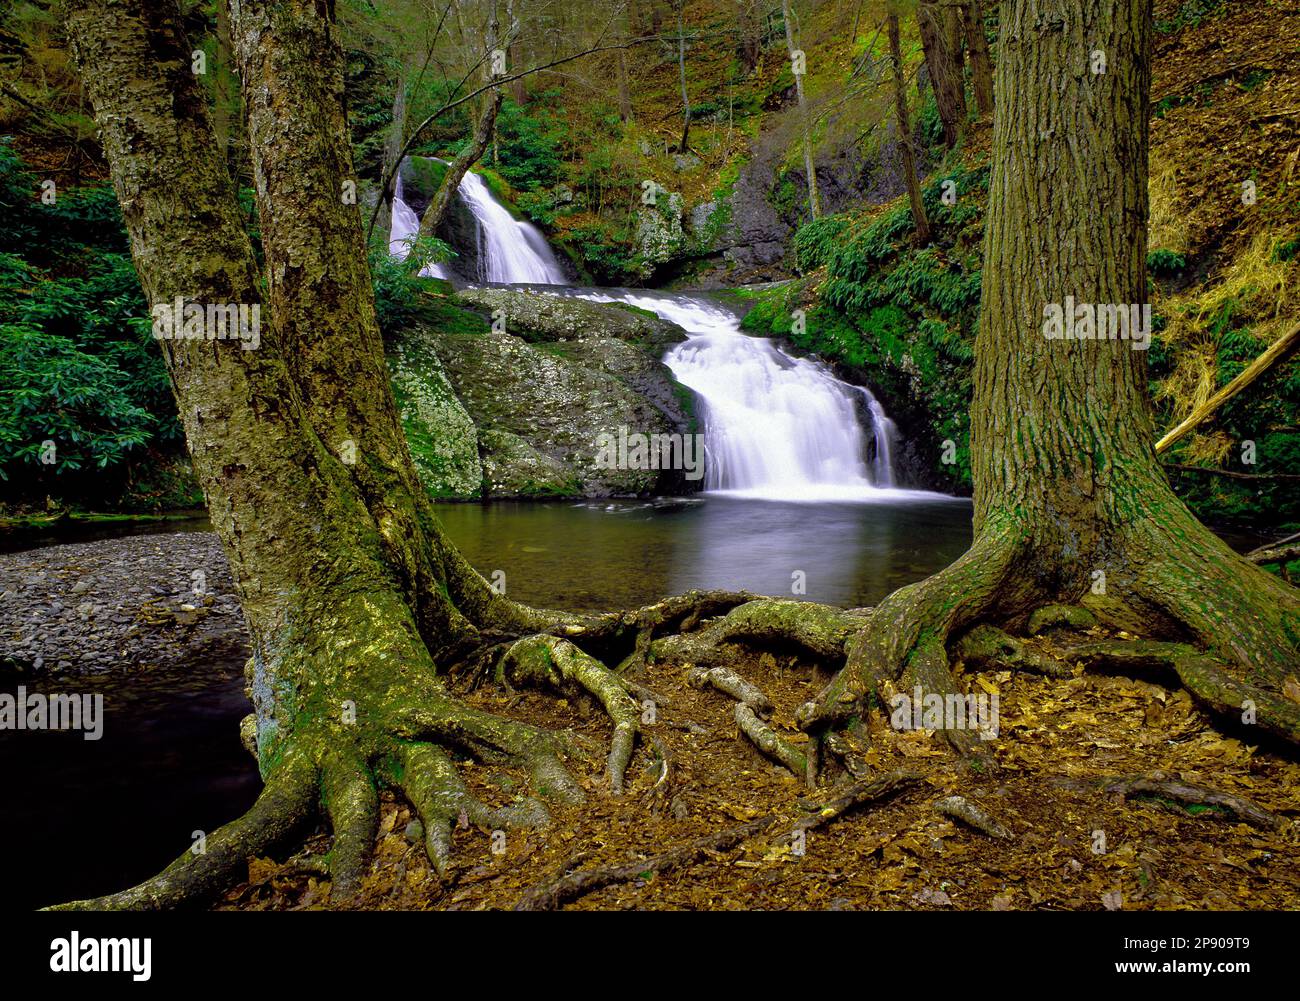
x,y
1072,846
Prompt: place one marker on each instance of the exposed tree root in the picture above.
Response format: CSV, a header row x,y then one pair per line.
x,y
560,664
571,885
771,743
986,647
727,681
960,808
1160,787
1204,676
818,630
869,790
909,629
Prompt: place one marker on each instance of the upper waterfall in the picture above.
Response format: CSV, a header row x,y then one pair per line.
x,y
509,251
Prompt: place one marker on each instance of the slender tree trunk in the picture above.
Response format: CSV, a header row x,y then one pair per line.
x,y
810,168
392,150
470,155
483,133
905,135
685,144
981,64
945,78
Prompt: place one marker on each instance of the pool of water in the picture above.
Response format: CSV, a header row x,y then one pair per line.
x,y
617,554
82,818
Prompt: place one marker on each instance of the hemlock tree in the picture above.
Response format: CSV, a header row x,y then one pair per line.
x,y
351,592
1070,502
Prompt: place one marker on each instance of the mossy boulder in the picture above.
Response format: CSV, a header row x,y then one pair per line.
x,y
537,316
444,441
558,400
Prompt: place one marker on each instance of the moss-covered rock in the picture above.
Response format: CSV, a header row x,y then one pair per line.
x,y
444,441
559,399
536,316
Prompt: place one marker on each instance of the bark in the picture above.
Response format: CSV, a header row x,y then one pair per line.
x,y
348,587
1062,434
809,167
685,144
919,219
470,155
981,64
1071,505
392,151
944,68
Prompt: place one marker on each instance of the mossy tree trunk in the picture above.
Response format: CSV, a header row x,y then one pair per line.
x,y
981,63
1070,503
350,591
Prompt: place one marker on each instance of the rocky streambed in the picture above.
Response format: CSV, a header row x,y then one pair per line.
x,y
139,602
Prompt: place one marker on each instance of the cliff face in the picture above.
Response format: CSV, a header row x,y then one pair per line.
x,y
520,410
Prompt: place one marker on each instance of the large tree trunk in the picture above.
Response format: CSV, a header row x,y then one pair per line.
x,y
919,218
347,584
944,67
809,167
981,64
1071,505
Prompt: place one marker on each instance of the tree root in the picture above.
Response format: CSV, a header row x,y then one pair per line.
x,y
727,681
561,665
960,808
771,743
1204,676
570,885
820,631
909,629
869,790
1161,787
986,648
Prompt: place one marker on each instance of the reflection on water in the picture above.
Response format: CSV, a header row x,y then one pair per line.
x,y
616,554
83,818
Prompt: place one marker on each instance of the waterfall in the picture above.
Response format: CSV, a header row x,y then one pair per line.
x,y
776,427
509,251
404,230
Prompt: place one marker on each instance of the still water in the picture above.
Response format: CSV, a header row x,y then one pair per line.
x,y
87,817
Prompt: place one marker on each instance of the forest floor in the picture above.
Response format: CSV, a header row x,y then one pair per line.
x,y
1071,845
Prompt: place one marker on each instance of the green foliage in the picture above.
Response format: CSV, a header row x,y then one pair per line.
x,y
529,144
1189,15
1165,262
401,297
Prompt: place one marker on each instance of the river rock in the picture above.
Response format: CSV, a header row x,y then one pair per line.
x,y
537,316
541,408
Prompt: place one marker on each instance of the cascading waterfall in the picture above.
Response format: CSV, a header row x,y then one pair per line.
x,y
509,250
776,427
404,230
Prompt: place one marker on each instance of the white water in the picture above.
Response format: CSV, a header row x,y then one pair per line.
x,y
405,228
509,251
776,427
